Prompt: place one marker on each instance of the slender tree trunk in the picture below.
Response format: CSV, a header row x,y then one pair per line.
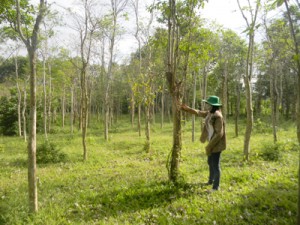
x,y
19,97
49,98
147,129
237,109
139,118
132,108
24,111
298,96
84,111
72,110
273,98
32,179
194,105
162,106
224,90
44,99
63,106
248,76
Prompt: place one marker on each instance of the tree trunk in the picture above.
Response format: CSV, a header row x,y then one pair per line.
x,y
63,106
162,106
132,108
298,96
237,109
273,98
49,98
194,105
44,99
139,118
24,111
32,179
19,97
72,110
224,90
147,129
84,110
177,142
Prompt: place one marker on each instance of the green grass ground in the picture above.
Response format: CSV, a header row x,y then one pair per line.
x,y
121,184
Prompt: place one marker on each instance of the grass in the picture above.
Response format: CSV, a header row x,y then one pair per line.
x,y
122,184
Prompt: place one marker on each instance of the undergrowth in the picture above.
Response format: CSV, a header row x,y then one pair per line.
x,y
120,183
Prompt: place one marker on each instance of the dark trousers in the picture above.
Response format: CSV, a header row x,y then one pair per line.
x,y
214,169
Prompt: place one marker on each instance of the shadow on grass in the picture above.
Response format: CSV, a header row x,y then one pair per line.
x,y
274,204
136,198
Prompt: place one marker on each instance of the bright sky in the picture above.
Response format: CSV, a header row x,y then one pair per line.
x,y
223,12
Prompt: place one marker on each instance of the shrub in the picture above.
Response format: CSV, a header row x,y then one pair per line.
x,y
49,153
271,152
261,127
8,117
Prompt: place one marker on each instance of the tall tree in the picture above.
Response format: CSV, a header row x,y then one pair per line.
x,y
20,16
251,27
180,17
86,26
297,58
117,6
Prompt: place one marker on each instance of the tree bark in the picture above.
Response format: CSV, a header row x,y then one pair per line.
x,y
298,96
194,105
19,97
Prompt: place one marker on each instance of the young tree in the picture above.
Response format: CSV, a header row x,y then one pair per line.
x,y
297,58
117,6
20,16
251,27
86,27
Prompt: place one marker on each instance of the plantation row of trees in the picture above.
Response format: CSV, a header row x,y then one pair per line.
x,y
184,60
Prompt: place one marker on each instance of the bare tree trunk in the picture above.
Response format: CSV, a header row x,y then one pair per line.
x,y
237,109
296,49
49,98
273,98
24,111
194,105
132,108
248,76
72,110
139,118
31,45
147,129
224,90
45,98
175,90
84,111
63,106
19,97
162,106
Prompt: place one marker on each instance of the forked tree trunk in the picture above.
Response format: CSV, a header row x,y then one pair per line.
x,y
248,76
31,45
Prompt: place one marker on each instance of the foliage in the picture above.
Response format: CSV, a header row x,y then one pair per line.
x,y
8,116
49,153
272,152
261,126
